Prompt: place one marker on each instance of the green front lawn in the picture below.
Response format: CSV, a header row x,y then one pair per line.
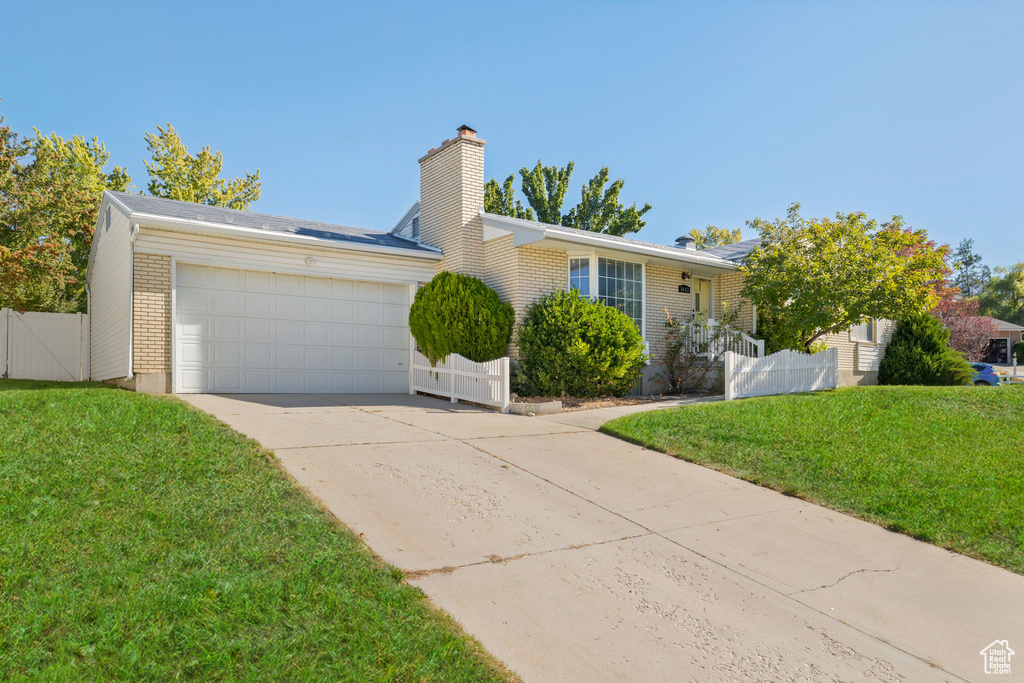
x,y
943,464
141,539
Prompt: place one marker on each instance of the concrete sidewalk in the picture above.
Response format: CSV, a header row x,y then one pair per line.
x,y
574,556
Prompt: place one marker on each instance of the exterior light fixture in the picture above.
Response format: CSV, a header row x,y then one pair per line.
x,y
310,260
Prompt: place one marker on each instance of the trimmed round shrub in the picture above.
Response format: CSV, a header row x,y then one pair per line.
x,y
1018,351
919,354
572,346
455,313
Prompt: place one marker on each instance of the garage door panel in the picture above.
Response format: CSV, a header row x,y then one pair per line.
x,y
256,281
259,356
286,332
315,309
250,331
368,314
259,304
316,287
228,278
371,337
287,284
189,274
395,338
343,312
397,316
227,303
343,335
318,334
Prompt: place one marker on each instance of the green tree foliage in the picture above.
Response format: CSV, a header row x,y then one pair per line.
x,y
176,174
1003,296
601,211
574,346
50,189
545,187
969,274
713,236
1018,351
817,276
919,354
455,313
501,199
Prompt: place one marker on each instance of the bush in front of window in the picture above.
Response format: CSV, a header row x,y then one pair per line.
x,y
919,354
455,313
573,346
1018,351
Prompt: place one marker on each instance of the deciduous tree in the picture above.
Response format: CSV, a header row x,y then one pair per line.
x,y
818,276
1003,296
969,331
176,174
713,236
545,187
501,199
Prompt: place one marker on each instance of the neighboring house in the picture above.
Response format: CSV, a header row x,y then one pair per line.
x,y
1001,345
193,298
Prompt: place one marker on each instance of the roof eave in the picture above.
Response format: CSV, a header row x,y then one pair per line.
x,y
528,232
206,228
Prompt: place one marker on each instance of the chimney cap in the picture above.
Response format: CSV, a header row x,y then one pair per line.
x,y
466,131
686,242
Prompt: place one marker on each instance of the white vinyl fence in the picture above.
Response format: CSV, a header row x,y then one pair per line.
x,y
785,372
49,346
459,378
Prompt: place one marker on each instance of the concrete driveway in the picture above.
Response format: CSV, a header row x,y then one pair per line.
x,y
573,556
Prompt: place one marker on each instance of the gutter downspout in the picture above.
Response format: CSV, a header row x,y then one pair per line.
x,y
131,303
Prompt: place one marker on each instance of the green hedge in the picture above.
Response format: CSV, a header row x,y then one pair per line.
x,y
919,354
455,313
573,346
1018,351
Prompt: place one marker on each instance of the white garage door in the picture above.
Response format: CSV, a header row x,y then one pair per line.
x,y
244,331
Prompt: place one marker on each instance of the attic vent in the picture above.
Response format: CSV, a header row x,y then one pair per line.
x,y
106,220
416,228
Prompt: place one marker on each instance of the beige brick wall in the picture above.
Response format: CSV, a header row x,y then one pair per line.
x,y
451,194
663,293
727,292
541,271
151,314
848,373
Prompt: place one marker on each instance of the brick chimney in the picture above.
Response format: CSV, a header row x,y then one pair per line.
x,y
451,193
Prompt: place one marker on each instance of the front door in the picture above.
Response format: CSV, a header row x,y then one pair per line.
x,y
702,297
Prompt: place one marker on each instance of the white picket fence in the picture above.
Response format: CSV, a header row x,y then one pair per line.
x,y
47,346
732,339
461,379
784,372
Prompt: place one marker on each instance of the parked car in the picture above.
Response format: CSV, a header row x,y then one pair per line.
x,y
985,374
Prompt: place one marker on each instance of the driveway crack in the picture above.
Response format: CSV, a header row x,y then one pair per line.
x,y
843,578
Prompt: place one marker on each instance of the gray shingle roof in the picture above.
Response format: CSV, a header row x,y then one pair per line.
x,y
171,208
733,252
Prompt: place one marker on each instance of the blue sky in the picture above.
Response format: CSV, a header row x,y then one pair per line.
x,y
714,112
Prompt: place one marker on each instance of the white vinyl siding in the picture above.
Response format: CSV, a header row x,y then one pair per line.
x,y
244,331
110,301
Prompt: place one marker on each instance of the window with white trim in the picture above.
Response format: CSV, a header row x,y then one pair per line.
x,y
579,275
619,284
865,332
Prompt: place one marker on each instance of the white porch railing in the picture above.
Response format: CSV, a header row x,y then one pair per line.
x,y
459,378
784,372
730,339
